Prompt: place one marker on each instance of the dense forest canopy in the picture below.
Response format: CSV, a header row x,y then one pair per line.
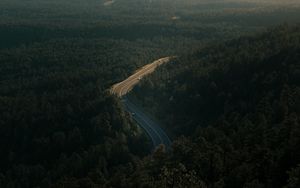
x,y
39,20
238,106
60,127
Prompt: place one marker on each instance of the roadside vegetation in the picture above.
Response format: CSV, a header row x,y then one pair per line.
x,y
235,110
60,127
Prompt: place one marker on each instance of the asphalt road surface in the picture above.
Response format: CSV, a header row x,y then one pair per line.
x,y
152,128
122,88
155,132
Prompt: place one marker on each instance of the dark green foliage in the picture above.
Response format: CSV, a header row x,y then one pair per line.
x,y
59,126
238,103
58,120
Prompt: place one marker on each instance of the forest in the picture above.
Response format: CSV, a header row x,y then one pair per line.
x,y
234,110
230,101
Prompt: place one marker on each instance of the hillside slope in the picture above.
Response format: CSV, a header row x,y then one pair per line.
x,y
238,106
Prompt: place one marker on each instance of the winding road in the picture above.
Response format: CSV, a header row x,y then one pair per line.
x,y
152,128
122,88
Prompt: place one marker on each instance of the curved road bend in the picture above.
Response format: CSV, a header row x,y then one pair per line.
x,y
155,132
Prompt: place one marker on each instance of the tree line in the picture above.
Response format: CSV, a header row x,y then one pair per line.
x,y
234,109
